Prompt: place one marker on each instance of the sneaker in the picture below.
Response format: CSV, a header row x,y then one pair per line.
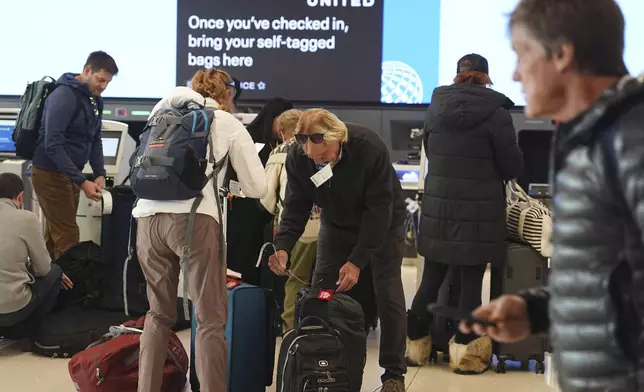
x,y
393,386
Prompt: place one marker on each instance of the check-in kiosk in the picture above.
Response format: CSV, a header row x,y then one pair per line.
x,y
118,147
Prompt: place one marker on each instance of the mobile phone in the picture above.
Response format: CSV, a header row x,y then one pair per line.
x,y
458,315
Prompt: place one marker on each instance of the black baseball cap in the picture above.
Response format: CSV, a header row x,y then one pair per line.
x,y
472,62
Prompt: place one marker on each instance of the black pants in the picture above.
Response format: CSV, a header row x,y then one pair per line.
x,y
26,321
470,281
334,248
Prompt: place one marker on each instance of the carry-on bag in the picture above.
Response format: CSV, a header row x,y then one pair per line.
x,y
314,358
523,268
124,287
250,339
118,238
343,314
73,329
444,328
112,363
529,221
86,266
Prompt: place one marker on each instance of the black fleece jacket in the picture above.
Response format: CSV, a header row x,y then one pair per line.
x,y
364,195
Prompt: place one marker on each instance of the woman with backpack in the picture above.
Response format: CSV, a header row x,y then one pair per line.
x,y
163,224
304,252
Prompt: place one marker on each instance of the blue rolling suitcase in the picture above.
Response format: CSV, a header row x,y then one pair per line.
x,y
250,340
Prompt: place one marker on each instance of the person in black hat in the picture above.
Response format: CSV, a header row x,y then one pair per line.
x,y
471,147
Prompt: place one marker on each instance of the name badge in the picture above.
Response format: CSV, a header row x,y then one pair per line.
x,y
322,176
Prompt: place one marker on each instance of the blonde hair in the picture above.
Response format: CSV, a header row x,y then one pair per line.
x,y
287,122
213,83
324,122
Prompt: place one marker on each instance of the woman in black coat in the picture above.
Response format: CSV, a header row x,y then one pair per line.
x,y
471,148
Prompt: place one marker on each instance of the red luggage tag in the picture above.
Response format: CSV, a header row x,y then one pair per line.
x,y
231,283
325,295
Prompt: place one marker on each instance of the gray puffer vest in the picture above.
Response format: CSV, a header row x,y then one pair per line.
x,y
597,277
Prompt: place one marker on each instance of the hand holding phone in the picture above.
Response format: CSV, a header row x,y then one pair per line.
x,y
458,315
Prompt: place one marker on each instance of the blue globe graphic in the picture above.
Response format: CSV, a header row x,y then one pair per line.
x,y
400,83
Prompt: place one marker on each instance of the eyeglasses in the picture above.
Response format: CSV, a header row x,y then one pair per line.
x,y
315,138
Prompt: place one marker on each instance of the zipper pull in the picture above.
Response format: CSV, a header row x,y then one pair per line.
x,y
99,378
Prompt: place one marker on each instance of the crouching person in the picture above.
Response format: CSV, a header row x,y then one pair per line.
x,y
165,219
29,282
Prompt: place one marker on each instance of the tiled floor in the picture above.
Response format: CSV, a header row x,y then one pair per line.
x,y
27,372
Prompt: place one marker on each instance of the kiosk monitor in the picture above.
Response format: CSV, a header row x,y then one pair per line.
x,y
7,148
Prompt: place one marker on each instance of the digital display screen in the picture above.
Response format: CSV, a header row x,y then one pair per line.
x,y
6,134
110,146
371,51
408,176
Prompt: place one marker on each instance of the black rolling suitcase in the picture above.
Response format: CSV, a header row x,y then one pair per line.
x,y
442,327
118,240
118,233
523,268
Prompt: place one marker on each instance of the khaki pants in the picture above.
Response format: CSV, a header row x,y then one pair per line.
x,y
58,199
160,240
302,263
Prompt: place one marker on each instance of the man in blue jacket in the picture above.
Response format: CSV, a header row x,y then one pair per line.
x,y
70,136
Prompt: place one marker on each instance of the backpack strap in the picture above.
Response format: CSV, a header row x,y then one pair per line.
x,y
130,255
186,253
213,176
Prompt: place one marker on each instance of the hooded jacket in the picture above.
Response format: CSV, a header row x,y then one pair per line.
x,y
70,133
594,303
228,136
471,148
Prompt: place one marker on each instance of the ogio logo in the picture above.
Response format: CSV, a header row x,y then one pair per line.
x,y
326,380
323,363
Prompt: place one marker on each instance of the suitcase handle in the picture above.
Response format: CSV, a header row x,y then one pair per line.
x,y
311,320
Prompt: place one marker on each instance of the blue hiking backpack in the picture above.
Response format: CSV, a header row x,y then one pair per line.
x,y
170,164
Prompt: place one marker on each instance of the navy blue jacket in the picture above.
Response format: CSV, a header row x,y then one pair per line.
x,y
70,134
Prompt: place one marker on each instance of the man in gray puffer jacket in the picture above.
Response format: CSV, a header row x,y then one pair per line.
x,y
570,63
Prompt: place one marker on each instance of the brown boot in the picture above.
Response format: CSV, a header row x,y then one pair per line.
x,y
472,358
417,351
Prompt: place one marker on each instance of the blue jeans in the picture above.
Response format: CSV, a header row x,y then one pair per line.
x,y
25,322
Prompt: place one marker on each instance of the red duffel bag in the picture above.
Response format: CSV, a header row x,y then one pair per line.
x,y
112,363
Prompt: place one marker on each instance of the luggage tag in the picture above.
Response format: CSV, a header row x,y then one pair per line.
x,y
325,295
322,176
236,189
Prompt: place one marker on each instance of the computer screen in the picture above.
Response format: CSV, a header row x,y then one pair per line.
x,y
409,176
6,133
110,146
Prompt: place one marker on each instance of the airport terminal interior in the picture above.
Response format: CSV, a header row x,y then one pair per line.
x,y
315,53
27,372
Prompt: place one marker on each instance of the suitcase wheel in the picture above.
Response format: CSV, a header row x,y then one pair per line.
x,y
500,366
540,368
433,357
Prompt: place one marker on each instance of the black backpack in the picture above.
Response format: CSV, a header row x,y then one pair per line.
x,y
312,358
85,265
